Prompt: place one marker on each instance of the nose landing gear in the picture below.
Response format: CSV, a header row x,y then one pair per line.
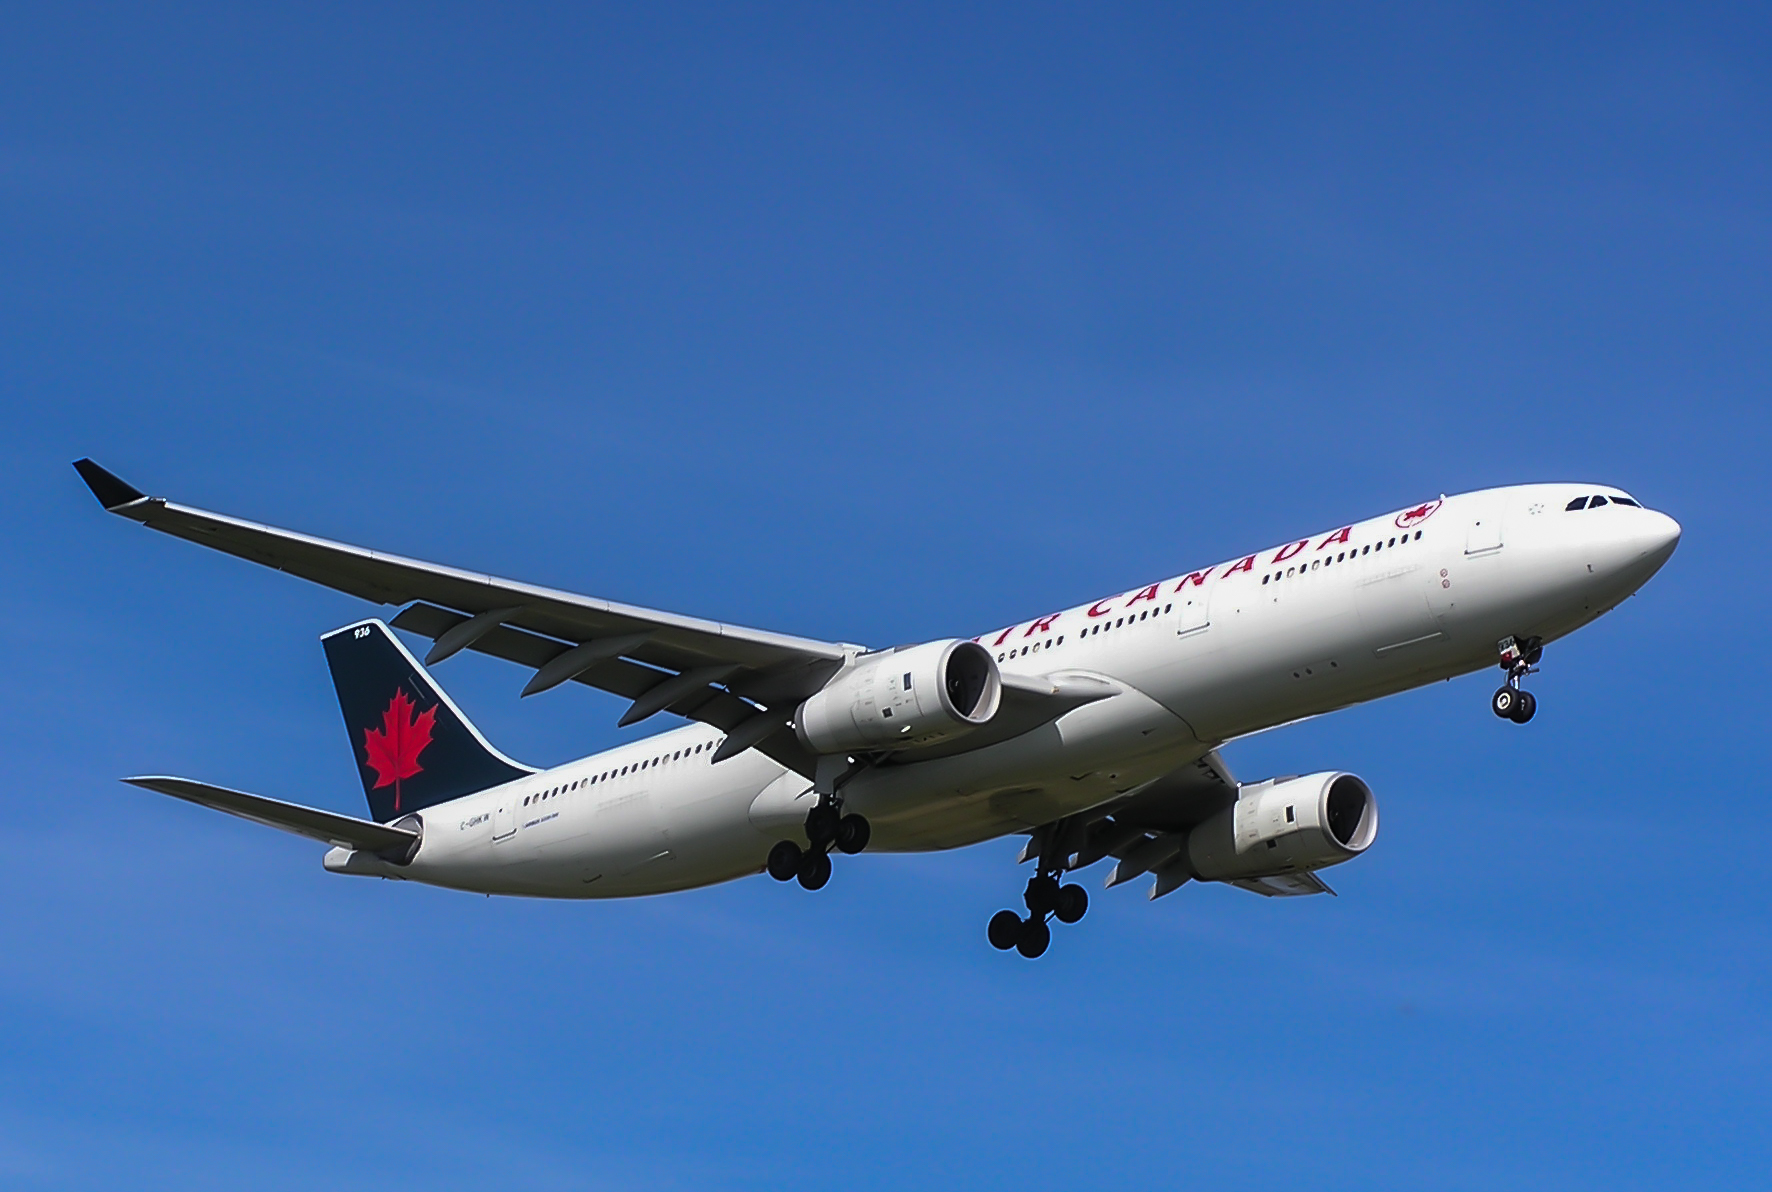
x,y
1519,658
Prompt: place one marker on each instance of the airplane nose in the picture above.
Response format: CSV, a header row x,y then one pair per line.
x,y
1660,534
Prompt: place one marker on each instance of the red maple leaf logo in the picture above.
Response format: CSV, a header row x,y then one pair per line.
x,y
1420,513
394,748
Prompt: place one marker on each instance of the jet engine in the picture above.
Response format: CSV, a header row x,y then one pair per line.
x,y
914,695
1285,825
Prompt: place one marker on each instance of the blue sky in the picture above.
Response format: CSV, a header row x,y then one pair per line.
x,y
879,327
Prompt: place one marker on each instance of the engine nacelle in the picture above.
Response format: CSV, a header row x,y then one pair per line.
x,y
898,698
1285,825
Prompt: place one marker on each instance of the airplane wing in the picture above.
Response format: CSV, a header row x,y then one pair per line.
x,y
1146,832
325,826
745,682
662,661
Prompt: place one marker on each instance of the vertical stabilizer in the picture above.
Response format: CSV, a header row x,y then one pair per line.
x,y
413,746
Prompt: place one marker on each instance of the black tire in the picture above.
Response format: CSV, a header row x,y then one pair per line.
x,y
815,870
1525,708
1073,903
784,861
821,825
1042,895
1034,939
852,833
1005,930
1503,703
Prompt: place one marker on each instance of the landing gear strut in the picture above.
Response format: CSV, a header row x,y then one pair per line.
x,y
826,827
1519,658
1044,897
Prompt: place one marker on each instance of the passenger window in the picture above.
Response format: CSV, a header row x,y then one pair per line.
x,y
1418,535
1365,550
1314,563
1264,579
1596,502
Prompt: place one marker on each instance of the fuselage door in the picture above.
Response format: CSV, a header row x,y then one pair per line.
x,y
1194,613
1483,533
504,820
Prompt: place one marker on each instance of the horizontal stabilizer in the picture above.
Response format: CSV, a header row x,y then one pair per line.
x,y
326,826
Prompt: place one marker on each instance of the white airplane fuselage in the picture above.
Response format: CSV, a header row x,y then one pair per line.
x,y
1325,621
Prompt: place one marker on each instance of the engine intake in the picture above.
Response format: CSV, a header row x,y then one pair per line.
x,y
1285,825
914,695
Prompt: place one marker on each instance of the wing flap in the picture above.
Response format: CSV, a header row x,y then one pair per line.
x,y
327,827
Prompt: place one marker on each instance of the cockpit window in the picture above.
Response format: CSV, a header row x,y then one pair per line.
x,y
1625,501
1577,503
1596,502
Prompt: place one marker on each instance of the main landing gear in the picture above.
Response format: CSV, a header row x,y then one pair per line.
x,y
1032,935
1519,658
826,827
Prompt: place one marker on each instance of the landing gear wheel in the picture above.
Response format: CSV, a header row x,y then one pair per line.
x,y
1525,707
852,833
784,861
1005,930
1042,894
821,825
815,870
1505,701
1072,903
1035,938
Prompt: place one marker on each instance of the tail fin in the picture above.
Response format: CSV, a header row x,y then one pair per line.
x,y
414,747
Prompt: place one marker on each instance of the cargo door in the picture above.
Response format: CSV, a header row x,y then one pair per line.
x,y
626,834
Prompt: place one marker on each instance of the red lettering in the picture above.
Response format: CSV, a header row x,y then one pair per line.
x,y
1286,552
1095,610
1246,565
1149,593
1003,636
1195,578
1042,625
1339,536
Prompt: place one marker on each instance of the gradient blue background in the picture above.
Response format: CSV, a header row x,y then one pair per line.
x,y
879,328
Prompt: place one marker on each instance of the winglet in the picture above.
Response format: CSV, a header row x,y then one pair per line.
x,y
111,492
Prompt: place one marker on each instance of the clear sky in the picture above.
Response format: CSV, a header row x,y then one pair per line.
x,y
882,328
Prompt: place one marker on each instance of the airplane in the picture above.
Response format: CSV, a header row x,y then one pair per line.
x,y
1094,731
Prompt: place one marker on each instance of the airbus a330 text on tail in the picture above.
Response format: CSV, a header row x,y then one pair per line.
x,y
1092,731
